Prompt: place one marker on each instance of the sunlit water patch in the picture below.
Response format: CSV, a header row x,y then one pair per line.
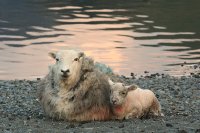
x,y
129,36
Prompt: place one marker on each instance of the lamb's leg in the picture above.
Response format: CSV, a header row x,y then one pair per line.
x,y
129,116
155,109
136,113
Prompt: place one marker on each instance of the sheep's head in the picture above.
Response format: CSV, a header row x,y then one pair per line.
x,y
68,63
119,92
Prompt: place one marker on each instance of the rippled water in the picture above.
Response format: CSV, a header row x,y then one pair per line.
x,y
128,35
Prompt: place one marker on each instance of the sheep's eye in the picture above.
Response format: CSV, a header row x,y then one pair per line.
x,y
123,93
76,59
57,59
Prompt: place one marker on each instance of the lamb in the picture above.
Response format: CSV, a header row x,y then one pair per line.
x,y
133,102
74,90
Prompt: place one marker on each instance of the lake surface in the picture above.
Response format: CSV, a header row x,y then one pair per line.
x,y
128,35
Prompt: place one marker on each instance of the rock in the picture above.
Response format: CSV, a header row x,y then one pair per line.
x,y
197,130
132,74
70,125
169,125
121,126
182,131
146,72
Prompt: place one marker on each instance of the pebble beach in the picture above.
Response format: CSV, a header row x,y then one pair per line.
x,y
20,110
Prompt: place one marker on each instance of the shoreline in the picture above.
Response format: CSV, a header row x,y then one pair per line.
x,y
182,69
20,110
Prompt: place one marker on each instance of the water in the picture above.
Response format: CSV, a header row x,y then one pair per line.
x,y
128,35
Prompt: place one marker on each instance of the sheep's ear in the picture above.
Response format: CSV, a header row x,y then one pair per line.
x,y
110,81
52,55
50,67
132,87
81,54
88,64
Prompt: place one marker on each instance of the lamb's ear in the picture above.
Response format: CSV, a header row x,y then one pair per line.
x,y
81,54
52,55
110,82
88,64
132,87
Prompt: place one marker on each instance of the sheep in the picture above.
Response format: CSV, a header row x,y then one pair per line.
x,y
74,90
133,102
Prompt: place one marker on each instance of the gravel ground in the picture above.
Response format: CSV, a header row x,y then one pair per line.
x,y
20,110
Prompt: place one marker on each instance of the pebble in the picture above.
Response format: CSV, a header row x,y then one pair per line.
x,y
197,130
182,131
169,125
70,126
121,126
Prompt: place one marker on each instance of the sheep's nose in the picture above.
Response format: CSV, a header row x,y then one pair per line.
x,y
114,102
65,71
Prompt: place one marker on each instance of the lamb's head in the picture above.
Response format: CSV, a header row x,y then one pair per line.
x,y
68,63
119,92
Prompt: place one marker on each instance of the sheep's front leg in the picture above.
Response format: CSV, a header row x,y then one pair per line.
x,y
117,118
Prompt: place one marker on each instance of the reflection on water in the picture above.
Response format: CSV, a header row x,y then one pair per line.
x,y
130,35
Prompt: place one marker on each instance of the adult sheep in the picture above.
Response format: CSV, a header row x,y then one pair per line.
x,y
74,89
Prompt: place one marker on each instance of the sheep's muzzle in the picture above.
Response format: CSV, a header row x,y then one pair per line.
x,y
65,73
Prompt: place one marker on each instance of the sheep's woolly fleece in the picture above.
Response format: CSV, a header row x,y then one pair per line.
x,y
74,89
